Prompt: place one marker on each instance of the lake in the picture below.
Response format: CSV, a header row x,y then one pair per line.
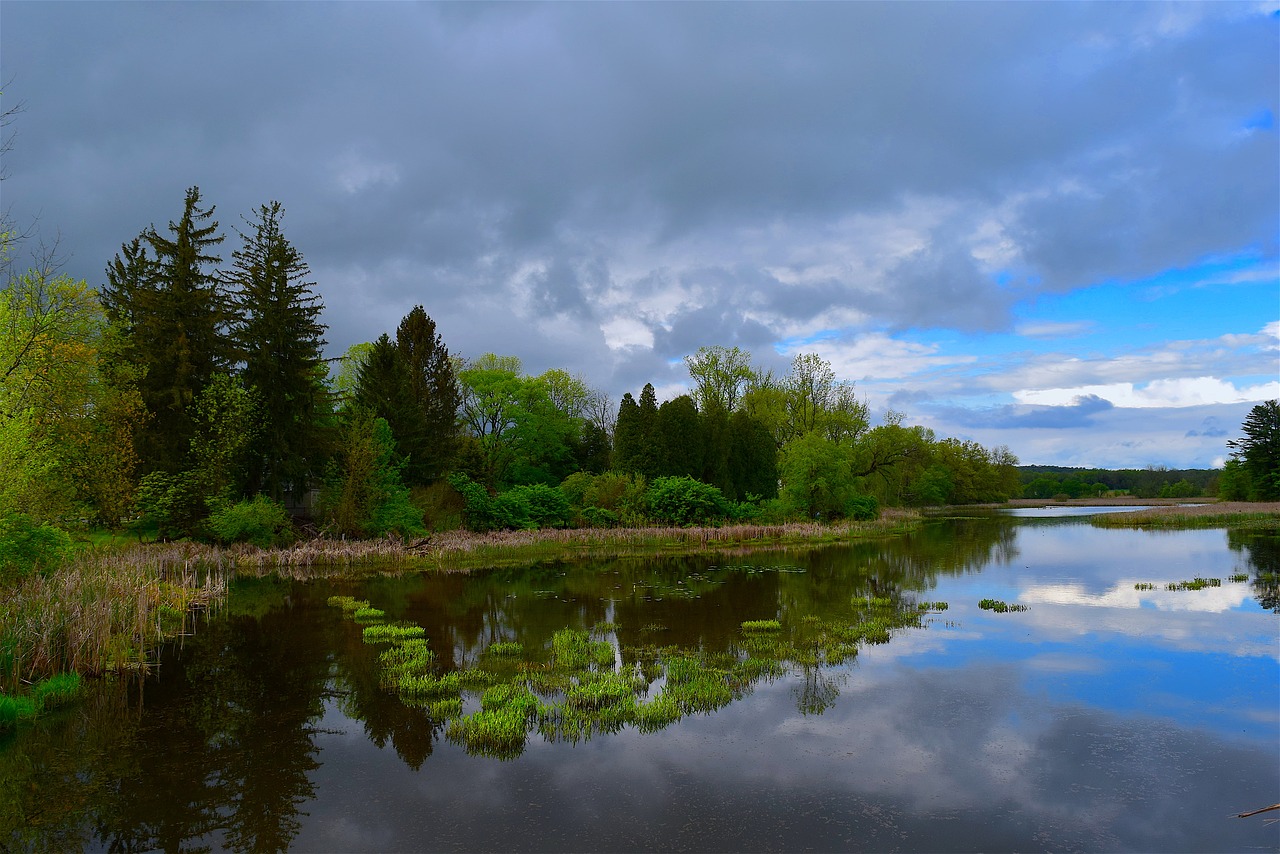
x,y
1127,708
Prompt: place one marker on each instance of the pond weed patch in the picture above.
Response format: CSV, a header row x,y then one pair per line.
x,y
1000,606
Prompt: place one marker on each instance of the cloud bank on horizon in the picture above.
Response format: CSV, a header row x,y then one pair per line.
x,y
1048,226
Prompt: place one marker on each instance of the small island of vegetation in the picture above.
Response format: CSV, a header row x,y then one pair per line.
x,y
180,424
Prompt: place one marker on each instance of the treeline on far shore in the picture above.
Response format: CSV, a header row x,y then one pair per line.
x,y
1153,482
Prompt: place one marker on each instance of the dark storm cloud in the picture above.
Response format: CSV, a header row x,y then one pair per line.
x,y
549,166
1079,414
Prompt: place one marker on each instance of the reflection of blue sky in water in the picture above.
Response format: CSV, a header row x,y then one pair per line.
x,y
1101,719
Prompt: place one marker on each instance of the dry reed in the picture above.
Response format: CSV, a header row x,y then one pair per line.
x,y
104,610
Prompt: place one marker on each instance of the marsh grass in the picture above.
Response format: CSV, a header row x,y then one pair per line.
x,y
59,690
462,550
1226,514
104,611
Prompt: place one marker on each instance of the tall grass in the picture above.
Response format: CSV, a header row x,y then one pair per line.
x,y
1233,514
104,610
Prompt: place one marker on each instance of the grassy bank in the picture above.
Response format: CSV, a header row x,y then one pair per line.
x,y
109,609
459,551
1224,514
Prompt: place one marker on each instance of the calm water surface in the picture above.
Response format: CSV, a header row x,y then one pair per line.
x,y
1104,717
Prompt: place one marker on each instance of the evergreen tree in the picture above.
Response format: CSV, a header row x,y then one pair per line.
x,y
434,389
649,459
279,338
715,460
627,438
680,438
173,316
384,388
753,458
1259,450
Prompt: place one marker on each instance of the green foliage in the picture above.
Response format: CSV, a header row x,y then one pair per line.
x,y
547,506
817,477
27,546
685,501
363,496
1235,483
1259,450
259,521
863,508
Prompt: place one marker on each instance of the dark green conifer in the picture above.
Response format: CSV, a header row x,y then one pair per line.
x,y
384,388
279,339
173,316
434,389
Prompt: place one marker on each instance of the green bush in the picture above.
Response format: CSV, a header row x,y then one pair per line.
x,y
27,546
259,520
685,501
863,508
547,507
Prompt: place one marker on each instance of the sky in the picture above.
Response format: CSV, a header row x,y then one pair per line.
x,y
1048,226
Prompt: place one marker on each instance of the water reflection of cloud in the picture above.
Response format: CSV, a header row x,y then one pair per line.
x,y
1125,595
1237,635
923,759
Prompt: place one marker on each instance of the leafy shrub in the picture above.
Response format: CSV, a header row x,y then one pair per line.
x,y
547,507
685,501
27,547
600,517
259,520
863,508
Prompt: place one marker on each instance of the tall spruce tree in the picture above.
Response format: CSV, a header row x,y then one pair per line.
x,y
173,316
279,338
383,387
434,389
680,439
627,439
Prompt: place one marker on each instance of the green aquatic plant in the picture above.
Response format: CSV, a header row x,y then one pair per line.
x,y
505,649
47,694
1001,607
1194,584
58,690
1144,585
751,626
384,633
368,615
1239,578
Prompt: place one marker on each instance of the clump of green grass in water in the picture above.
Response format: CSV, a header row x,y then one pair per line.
x,y
501,727
755,626
348,604
410,658
383,633
428,686
506,649
369,615
1001,607
1194,584
1239,578
573,649
1144,585
60,690
932,606
47,694
16,709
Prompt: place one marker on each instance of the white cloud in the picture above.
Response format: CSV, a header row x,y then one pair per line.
x,y
1157,394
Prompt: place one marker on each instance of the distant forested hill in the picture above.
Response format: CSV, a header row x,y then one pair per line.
x,y
1048,481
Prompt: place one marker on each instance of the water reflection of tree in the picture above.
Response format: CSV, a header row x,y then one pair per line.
x,y
226,744
1262,551
55,773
